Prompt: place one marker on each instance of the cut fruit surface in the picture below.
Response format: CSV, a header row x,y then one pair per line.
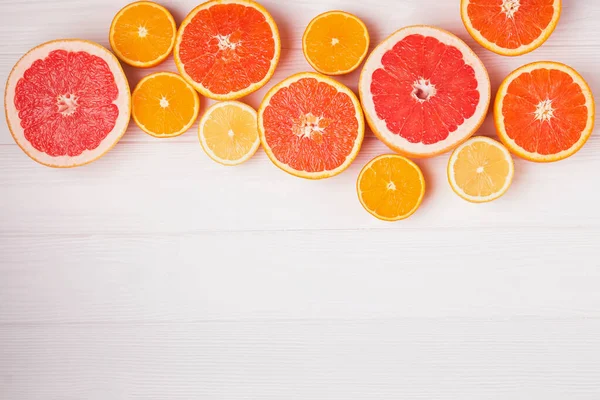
x,y
424,91
227,49
544,112
142,34
228,132
510,27
67,102
165,105
335,43
480,170
391,187
311,126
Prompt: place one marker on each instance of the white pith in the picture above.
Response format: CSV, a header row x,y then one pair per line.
x,y
123,102
142,32
454,159
230,133
544,111
397,142
510,7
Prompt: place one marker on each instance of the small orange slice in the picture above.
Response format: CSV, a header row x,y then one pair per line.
x,y
480,170
228,132
391,187
227,49
510,27
165,105
142,34
544,112
335,43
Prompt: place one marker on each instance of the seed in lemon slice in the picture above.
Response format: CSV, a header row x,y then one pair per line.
x,y
165,105
480,170
142,34
391,187
228,132
335,43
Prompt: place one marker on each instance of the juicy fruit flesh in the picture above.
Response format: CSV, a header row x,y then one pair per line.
x,y
227,48
66,103
143,33
391,187
511,23
424,90
336,42
544,111
164,104
311,126
231,132
481,169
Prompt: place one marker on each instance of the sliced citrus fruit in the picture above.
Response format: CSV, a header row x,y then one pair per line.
x,y
335,43
142,34
165,105
544,112
311,126
480,170
391,187
510,27
67,102
228,132
424,91
227,49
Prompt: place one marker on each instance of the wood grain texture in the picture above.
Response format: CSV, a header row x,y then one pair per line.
x,y
154,273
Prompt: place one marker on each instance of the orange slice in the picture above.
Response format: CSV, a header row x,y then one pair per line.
x,y
311,126
142,34
480,170
544,112
510,27
391,187
165,105
228,132
227,49
335,43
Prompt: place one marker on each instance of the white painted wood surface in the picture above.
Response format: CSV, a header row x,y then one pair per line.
x,y
156,274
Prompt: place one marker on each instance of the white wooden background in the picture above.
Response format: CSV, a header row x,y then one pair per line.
x,y
155,273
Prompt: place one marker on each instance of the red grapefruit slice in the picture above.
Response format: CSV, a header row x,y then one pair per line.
x,y
67,102
424,91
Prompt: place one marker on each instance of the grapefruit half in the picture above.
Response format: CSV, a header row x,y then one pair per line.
x,y
227,49
424,91
67,102
311,126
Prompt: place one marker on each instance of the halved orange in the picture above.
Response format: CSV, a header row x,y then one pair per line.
x,y
228,132
391,187
227,49
165,105
544,112
142,34
480,170
335,43
311,126
510,27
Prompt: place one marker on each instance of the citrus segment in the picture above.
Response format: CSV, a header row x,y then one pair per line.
x,y
510,27
424,91
165,105
335,43
228,132
480,170
67,102
311,126
142,34
391,187
227,49
544,112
